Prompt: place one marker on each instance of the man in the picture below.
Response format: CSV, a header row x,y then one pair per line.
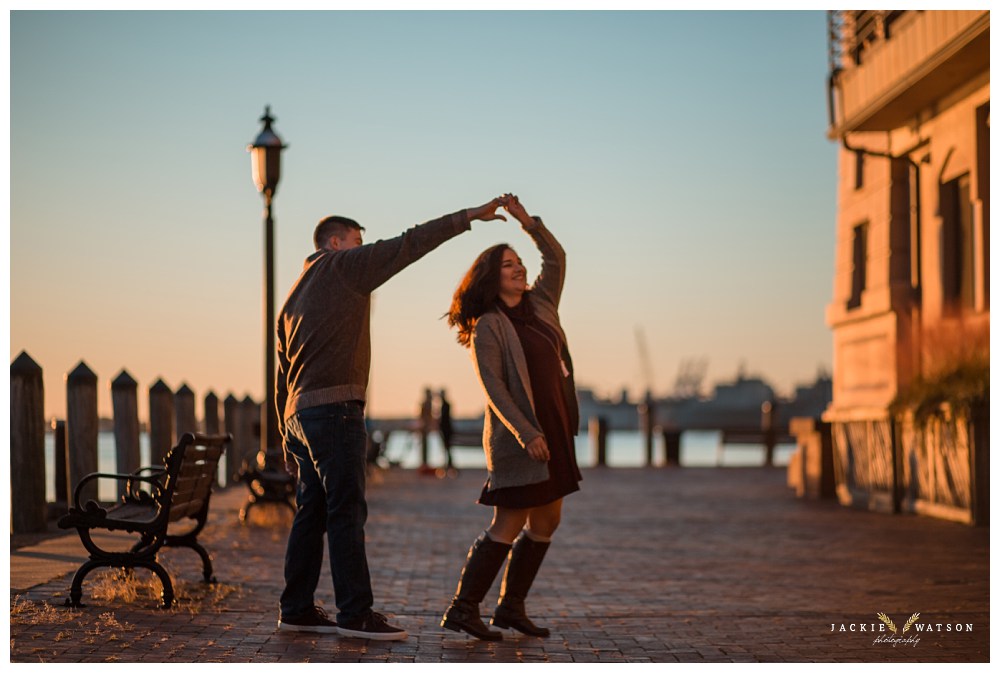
x,y
324,353
447,431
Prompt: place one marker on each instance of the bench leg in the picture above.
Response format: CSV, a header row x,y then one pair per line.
x,y
167,594
76,589
206,562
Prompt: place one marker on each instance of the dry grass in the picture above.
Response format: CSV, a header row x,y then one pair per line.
x,y
123,586
25,612
194,597
31,620
106,628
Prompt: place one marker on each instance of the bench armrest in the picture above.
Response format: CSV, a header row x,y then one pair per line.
x,y
132,481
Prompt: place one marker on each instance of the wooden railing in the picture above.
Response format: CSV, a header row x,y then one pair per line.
x,y
171,414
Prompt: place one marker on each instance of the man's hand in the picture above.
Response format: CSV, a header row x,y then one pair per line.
x,y
291,466
538,449
487,211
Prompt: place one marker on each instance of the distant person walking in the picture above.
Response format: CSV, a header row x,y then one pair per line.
x,y
324,352
447,431
520,354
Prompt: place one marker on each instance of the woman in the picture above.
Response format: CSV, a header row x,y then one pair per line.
x,y
520,355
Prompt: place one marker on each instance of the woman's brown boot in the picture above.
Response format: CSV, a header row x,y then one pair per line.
x,y
481,567
525,559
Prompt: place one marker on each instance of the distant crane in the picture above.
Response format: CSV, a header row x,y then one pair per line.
x,y
690,376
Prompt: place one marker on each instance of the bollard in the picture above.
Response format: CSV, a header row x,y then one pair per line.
x,y
769,429
672,446
599,440
28,509
647,419
125,405
81,429
64,491
161,421
184,416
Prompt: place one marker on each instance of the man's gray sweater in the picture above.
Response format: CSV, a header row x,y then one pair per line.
x,y
324,340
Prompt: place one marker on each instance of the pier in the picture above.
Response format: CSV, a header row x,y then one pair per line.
x,y
649,565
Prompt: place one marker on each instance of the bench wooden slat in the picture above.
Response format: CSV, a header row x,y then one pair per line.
x,y
133,513
187,509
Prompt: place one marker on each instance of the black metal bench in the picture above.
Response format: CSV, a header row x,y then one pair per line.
x,y
267,481
155,498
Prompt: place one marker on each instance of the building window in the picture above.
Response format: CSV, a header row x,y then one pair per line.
x,y
957,245
858,275
859,169
904,224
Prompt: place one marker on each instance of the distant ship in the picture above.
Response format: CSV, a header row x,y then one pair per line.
x,y
732,404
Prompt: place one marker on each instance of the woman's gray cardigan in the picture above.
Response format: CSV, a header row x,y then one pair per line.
x,y
510,422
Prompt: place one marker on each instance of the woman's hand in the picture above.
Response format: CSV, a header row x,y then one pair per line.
x,y
538,449
512,205
487,211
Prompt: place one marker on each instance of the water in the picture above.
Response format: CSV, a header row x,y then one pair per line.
x,y
624,449
107,489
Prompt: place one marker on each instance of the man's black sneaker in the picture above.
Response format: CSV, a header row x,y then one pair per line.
x,y
313,620
372,626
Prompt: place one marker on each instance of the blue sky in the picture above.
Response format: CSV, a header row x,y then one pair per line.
x,y
680,157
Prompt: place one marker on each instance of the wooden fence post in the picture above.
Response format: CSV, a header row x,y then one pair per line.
x,y
250,418
125,405
211,413
28,508
184,414
234,426
599,440
161,421
210,421
81,428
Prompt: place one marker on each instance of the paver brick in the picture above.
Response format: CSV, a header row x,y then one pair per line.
x,y
649,565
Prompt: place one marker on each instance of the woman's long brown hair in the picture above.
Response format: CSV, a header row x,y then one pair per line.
x,y
477,293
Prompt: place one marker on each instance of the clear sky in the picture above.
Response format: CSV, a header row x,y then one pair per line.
x,y
680,157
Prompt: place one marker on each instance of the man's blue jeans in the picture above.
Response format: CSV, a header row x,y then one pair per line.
x,y
328,443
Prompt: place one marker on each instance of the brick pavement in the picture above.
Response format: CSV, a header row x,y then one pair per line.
x,y
689,565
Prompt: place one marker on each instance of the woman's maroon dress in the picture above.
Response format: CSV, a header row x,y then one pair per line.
x,y
542,349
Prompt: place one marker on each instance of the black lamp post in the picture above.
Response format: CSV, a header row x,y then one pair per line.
x,y
265,158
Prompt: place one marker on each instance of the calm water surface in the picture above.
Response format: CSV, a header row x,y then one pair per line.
x,y
624,449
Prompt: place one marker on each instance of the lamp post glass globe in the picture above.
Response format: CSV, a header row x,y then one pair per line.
x,y
265,156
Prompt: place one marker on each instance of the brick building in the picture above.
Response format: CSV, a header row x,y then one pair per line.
x,y
909,95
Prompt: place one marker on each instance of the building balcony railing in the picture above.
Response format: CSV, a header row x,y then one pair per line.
x,y
887,65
